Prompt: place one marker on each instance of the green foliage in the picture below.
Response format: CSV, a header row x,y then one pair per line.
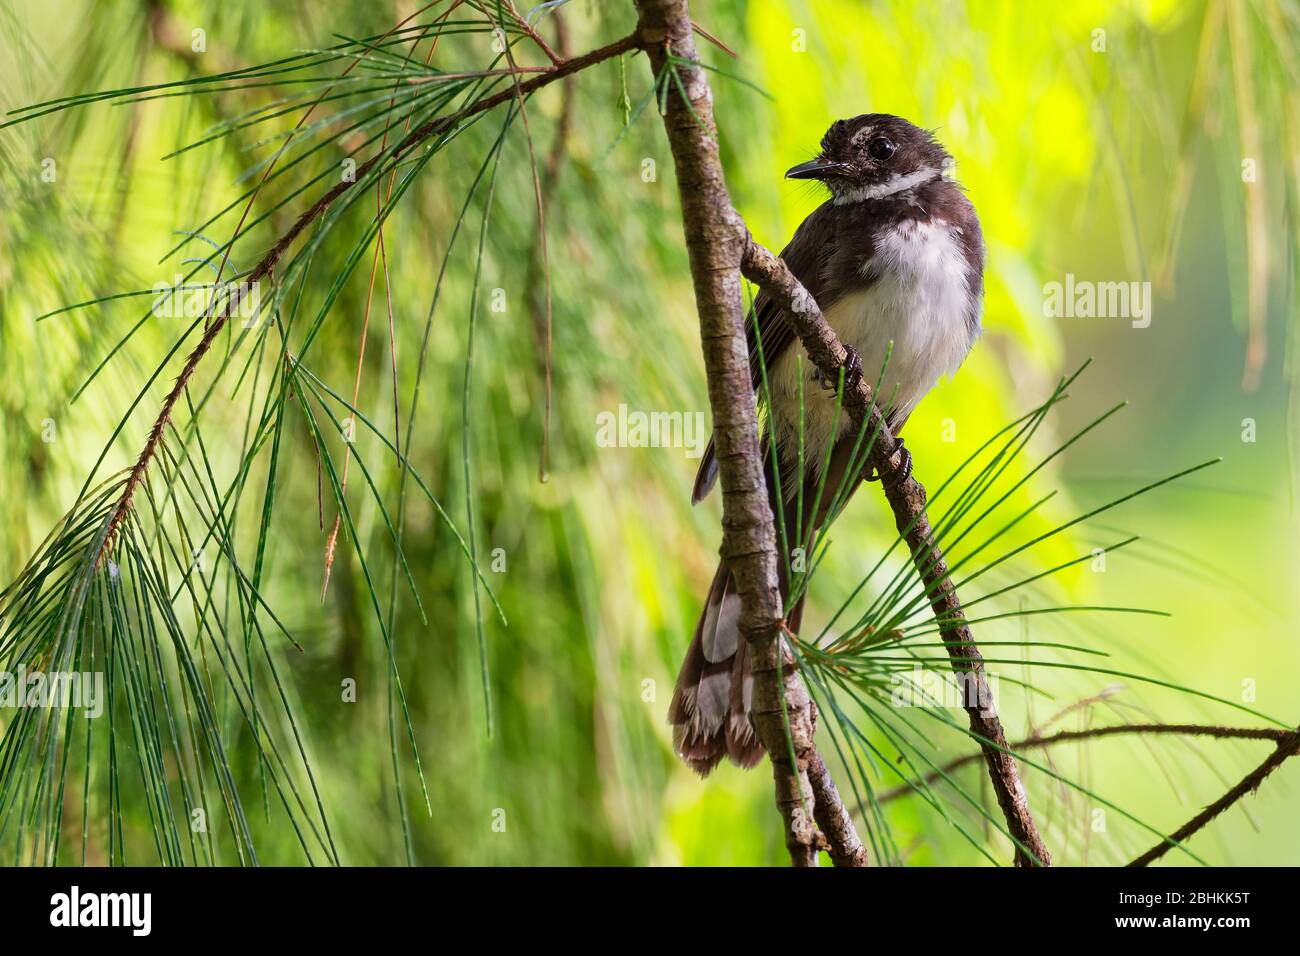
x,y
511,642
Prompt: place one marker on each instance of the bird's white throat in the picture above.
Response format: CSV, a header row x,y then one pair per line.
x,y
895,184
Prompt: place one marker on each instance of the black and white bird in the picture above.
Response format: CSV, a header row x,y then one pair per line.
x,y
895,260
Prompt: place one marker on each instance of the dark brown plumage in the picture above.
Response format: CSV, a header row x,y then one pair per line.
x,y
894,256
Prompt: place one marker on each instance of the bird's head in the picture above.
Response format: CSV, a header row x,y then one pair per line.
x,y
872,156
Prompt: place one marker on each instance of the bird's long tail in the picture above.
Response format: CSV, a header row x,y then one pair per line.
x,y
712,700
710,708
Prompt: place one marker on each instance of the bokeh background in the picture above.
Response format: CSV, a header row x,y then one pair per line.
x,y
1153,142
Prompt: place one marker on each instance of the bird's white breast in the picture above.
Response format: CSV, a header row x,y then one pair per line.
x,y
920,301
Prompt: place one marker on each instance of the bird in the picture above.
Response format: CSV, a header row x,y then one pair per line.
x,y
895,259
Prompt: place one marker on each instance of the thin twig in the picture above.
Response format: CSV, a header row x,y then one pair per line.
x,y
476,74
380,257
533,35
542,246
842,841
907,499
1277,735
715,41
1288,746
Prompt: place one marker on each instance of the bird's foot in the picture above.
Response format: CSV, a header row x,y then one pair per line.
x,y
904,470
852,373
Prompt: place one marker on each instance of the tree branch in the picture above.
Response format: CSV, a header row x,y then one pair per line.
x,y
1277,735
783,714
1288,746
833,817
906,498
715,240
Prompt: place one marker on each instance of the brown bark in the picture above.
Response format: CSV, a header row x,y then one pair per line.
x,y
715,241
842,841
906,498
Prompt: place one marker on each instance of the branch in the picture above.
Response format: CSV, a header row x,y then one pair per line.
x,y
1288,746
906,497
833,818
783,714
1276,735
524,25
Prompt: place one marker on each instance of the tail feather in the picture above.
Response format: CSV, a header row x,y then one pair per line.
x,y
720,627
714,694
715,687
702,699
743,746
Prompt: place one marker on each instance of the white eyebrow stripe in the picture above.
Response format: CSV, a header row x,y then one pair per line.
x,y
896,185
861,134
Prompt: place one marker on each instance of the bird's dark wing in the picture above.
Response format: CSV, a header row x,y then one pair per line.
x,y
808,256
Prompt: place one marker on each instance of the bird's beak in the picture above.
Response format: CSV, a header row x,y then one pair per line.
x,y
817,169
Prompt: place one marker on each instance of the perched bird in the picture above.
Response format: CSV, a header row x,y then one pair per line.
x,y
895,260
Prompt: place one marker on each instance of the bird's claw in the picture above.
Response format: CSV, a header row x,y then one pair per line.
x,y
904,470
852,373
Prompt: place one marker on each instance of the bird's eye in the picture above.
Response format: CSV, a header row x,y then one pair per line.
x,y
880,149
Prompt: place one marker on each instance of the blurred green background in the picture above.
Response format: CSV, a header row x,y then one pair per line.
x,y
1153,142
